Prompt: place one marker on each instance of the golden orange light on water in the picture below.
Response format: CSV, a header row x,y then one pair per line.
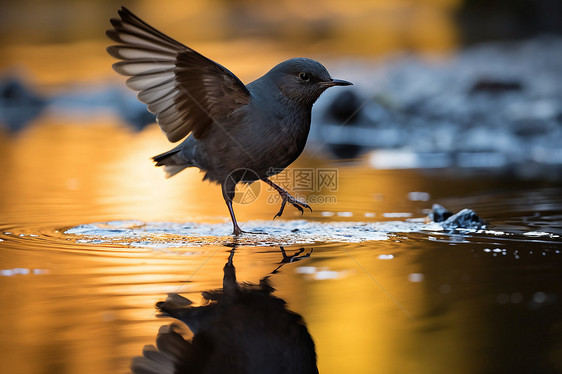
x,y
402,302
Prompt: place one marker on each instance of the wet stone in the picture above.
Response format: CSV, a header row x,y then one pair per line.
x,y
439,213
465,219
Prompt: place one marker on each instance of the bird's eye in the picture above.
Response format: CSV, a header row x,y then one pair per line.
x,y
304,76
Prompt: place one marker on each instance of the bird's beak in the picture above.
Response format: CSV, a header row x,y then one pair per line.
x,y
338,82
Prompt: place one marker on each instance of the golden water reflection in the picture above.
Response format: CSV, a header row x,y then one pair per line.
x,y
87,314
90,308
102,170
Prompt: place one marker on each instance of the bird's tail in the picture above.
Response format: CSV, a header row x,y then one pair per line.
x,y
173,161
171,352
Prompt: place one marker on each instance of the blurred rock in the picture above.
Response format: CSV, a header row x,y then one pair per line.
x,y
18,104
89,101
495,105
345,107
352,122
491,86
133,111
346,151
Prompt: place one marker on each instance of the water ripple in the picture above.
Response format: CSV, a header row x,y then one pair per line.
x,y
263,233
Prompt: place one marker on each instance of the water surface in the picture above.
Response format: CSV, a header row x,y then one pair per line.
x,y
92,236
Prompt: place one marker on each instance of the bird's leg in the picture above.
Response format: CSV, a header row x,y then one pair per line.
x,y
228,191
287,198
236,231
229,284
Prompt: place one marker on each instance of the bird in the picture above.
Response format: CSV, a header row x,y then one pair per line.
x,y
234,133
239,328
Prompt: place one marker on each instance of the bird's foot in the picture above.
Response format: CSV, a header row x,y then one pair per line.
x,y
297,256
287,198
237,232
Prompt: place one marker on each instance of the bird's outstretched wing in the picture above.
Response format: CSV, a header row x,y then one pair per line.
x,y
187,91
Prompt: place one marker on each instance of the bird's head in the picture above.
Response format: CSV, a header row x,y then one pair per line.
x,y
303,80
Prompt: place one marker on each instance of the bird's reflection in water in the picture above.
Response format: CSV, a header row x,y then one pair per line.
x,y
242,328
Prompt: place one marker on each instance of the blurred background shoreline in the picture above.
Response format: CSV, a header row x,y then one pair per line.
x,y
54,40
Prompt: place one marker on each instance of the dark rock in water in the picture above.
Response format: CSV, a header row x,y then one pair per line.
x,y
18,104
352,123
345,107
344,110
345,151
492,86
439,213
465,219
93,100
533,128
125,105
492,106
134,112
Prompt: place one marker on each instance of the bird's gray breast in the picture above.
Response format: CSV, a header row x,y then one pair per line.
x,y
280,136
264,136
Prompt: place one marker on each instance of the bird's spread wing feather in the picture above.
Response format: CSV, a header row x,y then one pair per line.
x,y
187,91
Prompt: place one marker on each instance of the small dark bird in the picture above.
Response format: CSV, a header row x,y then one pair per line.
x,y
235,132
241,328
